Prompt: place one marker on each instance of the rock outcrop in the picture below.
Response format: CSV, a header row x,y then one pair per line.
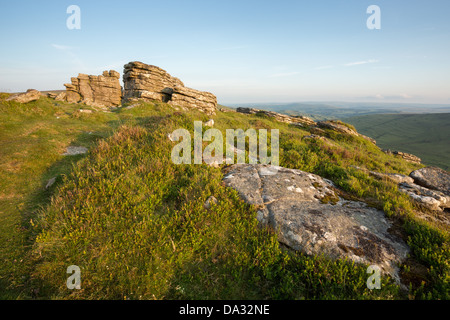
x,y
151,83
393,177
426,198
340,127
424,186
30,95
302,121
406,156
98,91
432,178
308,215
294,120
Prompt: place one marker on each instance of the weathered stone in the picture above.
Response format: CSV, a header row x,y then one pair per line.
x,y
151,83
430,199
72,151
308,215
50,182
211,200
314,137
98,91
30,95
62,96
406,156
340,127
209,123
294,120
393,177
432,178
425,198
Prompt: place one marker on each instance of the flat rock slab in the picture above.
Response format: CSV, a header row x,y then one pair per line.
x,y
72,151
308,215
432,178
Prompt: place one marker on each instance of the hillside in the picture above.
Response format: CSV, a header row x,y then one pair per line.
x,y
138,225
425,135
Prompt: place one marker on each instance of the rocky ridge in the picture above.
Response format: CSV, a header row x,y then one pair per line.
x,y
303,121
295,120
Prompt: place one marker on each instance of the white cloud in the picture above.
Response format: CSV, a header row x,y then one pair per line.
x,y
61,47
360,62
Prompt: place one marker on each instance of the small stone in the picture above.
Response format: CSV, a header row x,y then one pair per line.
x,y
72,151
50,182
209,201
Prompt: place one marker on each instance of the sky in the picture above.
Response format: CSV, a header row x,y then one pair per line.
x,y
242,51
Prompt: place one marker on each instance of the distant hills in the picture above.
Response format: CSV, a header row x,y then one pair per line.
x,y
342,110
420,129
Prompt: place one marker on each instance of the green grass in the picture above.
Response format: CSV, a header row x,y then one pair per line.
x,y
135,223
424,135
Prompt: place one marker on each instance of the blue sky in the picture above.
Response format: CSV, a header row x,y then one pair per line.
x,y
242,51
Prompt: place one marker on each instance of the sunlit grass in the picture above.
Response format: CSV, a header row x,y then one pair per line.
x,y
135,223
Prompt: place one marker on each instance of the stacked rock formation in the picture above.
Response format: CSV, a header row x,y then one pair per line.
x,y
151,83
99,91
295,120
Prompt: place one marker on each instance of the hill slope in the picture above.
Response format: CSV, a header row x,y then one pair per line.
x,y
424,135
137,225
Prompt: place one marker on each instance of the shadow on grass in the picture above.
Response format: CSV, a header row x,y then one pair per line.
x,y
38,200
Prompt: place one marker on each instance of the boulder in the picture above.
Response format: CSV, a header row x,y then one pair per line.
x,y
62,96
98,91
30,95
432,178
308,215
151,83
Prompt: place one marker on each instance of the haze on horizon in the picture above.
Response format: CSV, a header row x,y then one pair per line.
x,y
242,51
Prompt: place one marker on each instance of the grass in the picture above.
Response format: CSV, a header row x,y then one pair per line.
x,y
135,223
